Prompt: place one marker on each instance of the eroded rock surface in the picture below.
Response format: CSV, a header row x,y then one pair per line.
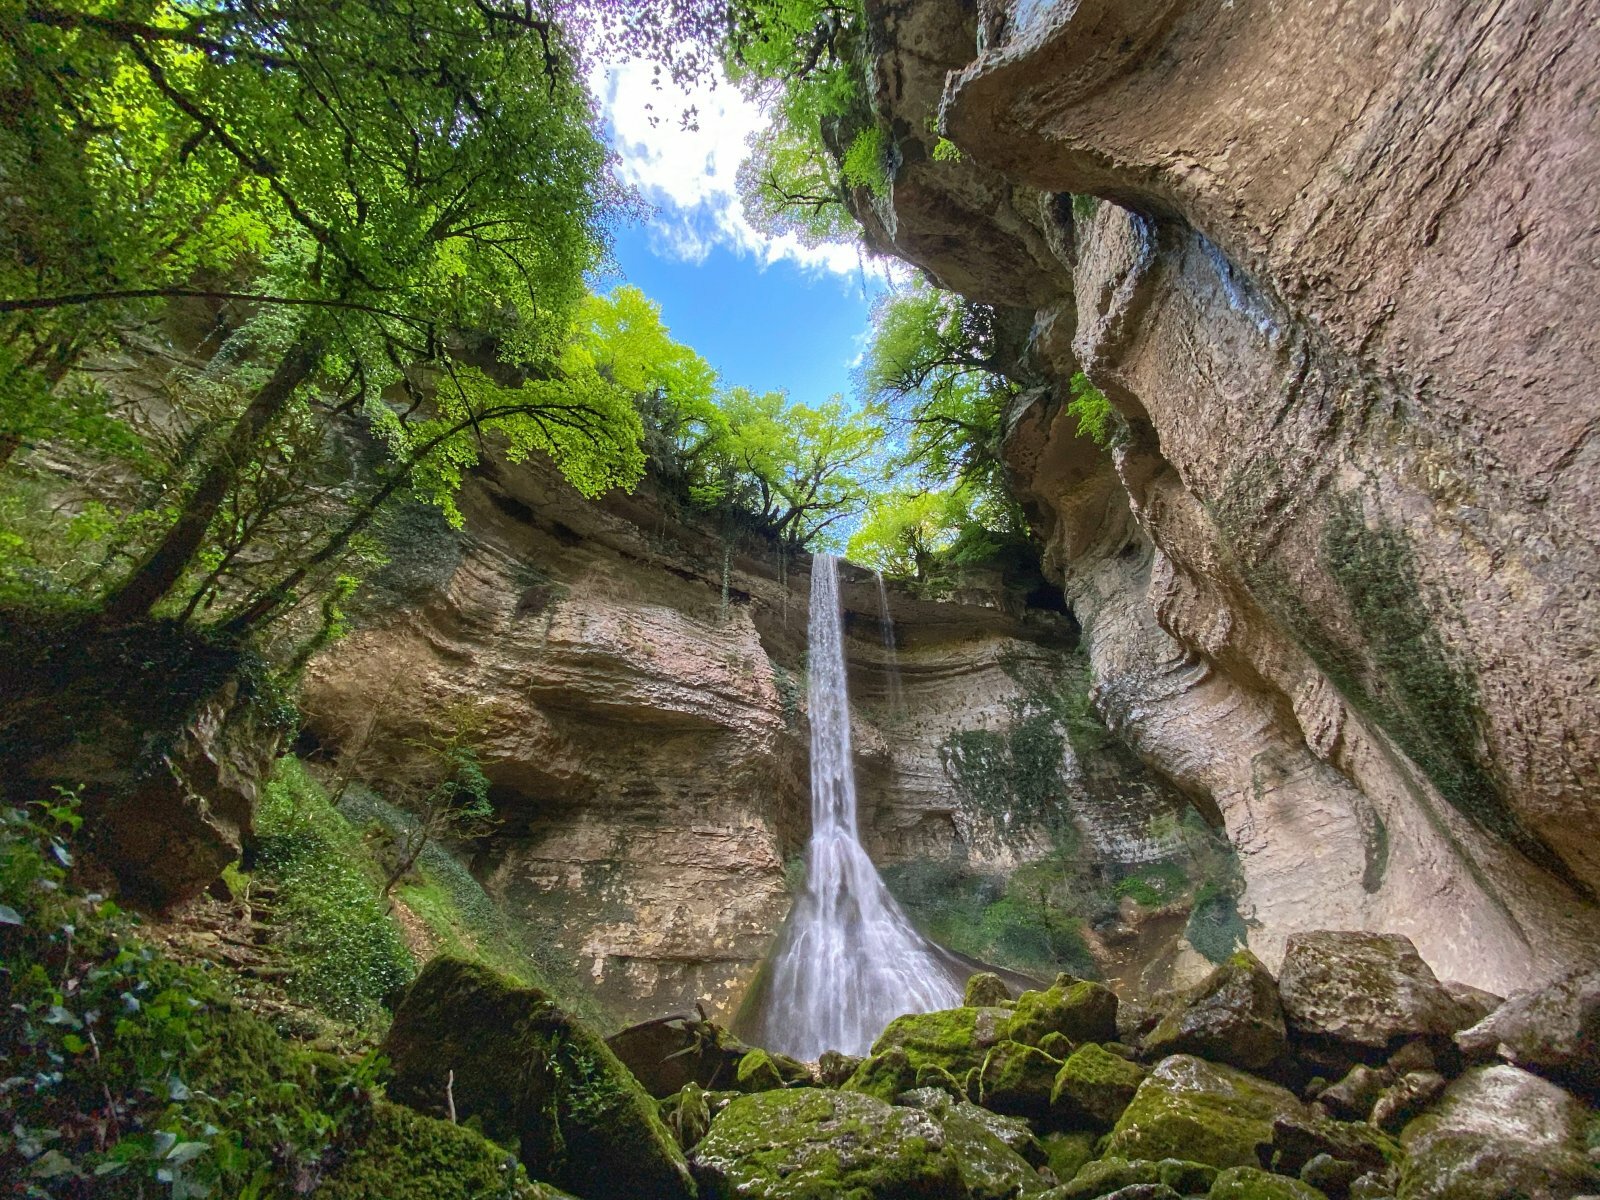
x,y
1326,584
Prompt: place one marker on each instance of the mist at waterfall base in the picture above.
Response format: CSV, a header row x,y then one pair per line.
x,y
847,960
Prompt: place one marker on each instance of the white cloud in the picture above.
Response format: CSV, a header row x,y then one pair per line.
x,y
688,173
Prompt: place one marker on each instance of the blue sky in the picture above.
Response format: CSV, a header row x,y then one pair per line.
x,y
766,313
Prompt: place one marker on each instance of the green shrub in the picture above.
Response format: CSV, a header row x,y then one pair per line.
x,y
130,1076
344,949
1153,884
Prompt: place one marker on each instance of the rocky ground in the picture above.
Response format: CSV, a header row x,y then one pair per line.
x,y
1353,1075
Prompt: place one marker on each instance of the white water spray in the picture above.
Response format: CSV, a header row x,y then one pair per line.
x,y
896,697
848,960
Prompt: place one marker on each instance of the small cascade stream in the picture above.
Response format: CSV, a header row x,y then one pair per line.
x,y
894,696
848,961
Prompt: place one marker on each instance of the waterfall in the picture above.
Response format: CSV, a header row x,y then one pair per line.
x,y
891,656
848,961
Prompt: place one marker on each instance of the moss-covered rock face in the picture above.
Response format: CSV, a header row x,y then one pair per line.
x,y
534,1078
1188,1108
1078,1010
1110,1175
811,1144
990,1169
1233,1016
758,1073
957,1039
1094,1087
986,990
1017,1080
407,1156
1252,1183
883,1075
1066,1153
1298,1140
1499,1131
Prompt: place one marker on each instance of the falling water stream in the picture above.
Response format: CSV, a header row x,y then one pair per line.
x,y
896,699
848,961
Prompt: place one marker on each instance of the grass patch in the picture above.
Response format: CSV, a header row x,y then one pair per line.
x,y
345,951
463,919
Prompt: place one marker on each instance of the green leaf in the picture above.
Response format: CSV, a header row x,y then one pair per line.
x,y
9,915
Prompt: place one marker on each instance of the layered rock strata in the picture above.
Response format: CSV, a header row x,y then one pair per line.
x,y
1337,575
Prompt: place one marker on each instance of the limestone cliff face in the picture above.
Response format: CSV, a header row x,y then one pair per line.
x,y
1339,575
645,728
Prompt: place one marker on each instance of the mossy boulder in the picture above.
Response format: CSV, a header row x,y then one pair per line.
x,y
668,1053
1365,992
1076,1009
1093,1087
883,1075
1065,1153
1191,1109
956,1039
534,1078
1017,1080
1252,1183
688,1114
817,1144
1110,1175
757,1073
990,1169
1296,1140
986,990
1499,1131
407,1156
1232,1016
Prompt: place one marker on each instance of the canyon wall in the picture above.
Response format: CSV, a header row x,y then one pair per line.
x,y
644,728
1334,268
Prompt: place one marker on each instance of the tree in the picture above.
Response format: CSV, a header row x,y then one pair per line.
x,y
431,178
449,796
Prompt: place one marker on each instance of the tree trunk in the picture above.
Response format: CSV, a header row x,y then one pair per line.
x,y
165,565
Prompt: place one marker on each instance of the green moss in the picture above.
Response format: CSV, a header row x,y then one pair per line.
x,y
1190,1109
1252,1183
955,1039
406,1156
534,1078
885,1076
758,1073
1154,884
1017,1080
345,950
1022,921
464,920
1066,1153
1094,1087
1215,927
1077,1009
989,1168
815,1144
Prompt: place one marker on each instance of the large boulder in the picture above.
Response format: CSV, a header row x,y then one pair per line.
x,y
666,1055
1363,992
1114,1176
1232,1016
1078,1010
1499,1131
1252,1183
534,1077
1017,1080
986,990
1094,1087
956,1039
1189,1108
1553,1031
815,1144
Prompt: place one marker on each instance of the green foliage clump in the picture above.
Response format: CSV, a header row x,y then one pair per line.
x,y
130,1076
1096,418
863,164
344,948
1215,927
1154,884
1028,921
